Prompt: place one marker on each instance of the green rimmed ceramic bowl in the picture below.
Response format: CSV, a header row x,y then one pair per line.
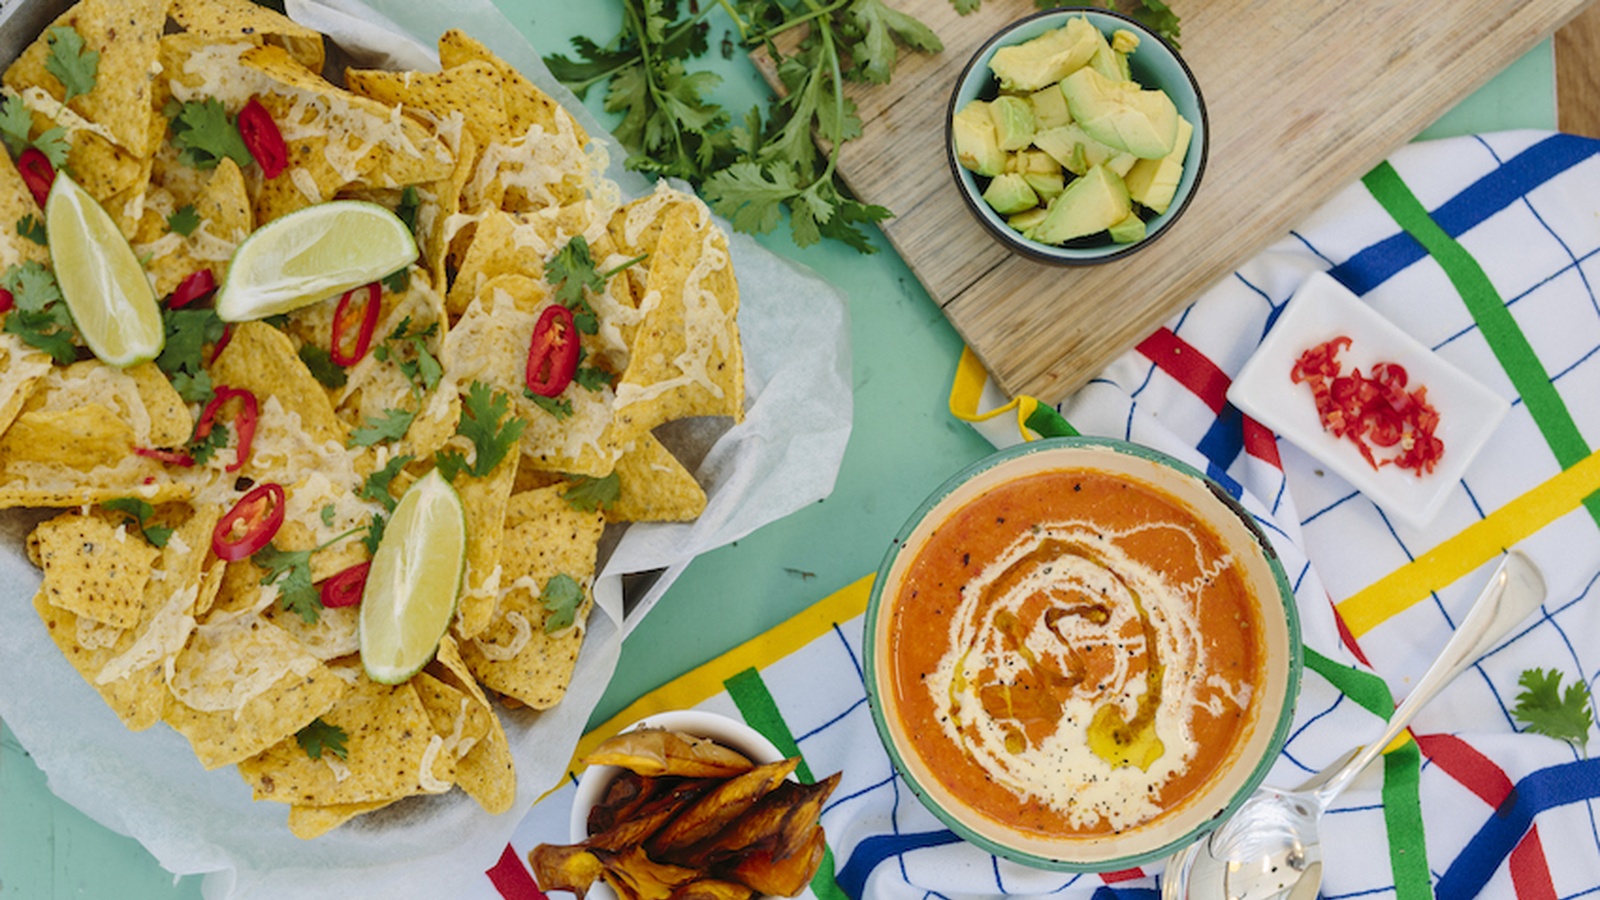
x,y
1246,762
1154,64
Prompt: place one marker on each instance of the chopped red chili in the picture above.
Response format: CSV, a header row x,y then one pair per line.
x,y
37,173
553,352
170,457
244,421
6,300
263,139
1376,408
354,321
216,349
197,285
344,588
251,524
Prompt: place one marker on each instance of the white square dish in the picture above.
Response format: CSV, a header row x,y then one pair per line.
x,y
1323,309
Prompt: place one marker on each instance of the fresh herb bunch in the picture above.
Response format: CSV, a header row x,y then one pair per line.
x,y
1548,710
752,168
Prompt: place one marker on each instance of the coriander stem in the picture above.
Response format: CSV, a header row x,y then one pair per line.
x,y
816,13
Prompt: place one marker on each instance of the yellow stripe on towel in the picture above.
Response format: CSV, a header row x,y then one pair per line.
x,y
1472,547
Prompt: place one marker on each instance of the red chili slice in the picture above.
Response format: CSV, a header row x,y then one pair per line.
x,y
216,349
6,300
244,421
197,285
37,173
1376,408
344,588
251,524
352,337
263,139
553,352
170,457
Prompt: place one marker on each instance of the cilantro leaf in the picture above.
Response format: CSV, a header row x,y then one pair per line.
x,y
327,514
493,433
183,356
391,425
376,487
406,210
184,220
409,350
569,273
204,134
320,362
290,570
16,123
40,317
752,196
203,449
592,379
53,144
1549,711
33,230
398,281
374,533
561,597
73,65
559,407
140,512
319,737
588,493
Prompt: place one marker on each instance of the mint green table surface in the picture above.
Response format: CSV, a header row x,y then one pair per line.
x,y
904,443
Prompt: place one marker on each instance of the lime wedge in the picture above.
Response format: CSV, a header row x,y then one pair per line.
x,y
414,581
101,280
313,254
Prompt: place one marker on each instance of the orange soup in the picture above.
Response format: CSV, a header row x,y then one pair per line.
x,y
1075,653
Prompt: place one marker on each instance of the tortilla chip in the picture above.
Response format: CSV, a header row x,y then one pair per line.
x,y
16,204
655,487
239,656
472,89
484,502
262,360
223,20
545,537
487,772
525,105
388,740
170,422
22,368
308,822
686,358
226,218
93,566
126,34
494,250
436,215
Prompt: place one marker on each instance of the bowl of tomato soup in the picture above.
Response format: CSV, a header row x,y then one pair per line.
x,y
1081,654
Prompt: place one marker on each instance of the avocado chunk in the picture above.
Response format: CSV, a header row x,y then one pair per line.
x,y
1091,204
1027,219
1010,193
1129,230
1046,59
1108,62
1046,184
1013,121
1121,114
1073,148
977,145
1049,108
1152,183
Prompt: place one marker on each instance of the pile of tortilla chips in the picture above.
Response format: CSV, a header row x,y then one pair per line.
x,y
500,180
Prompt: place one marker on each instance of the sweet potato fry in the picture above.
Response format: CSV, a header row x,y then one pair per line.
x,y
767,874
713,889
564,867
718,807
657,751
775,824
635,876
650,817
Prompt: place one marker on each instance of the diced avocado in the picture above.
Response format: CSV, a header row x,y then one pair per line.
x,y
1129,230
1108,62
977,145
1009,193
1121,114
1049,107
1046,184
1089,205
1073,148
1124,41
1122,163
1046,59
1153,182
1027,219
1013,121
1026,161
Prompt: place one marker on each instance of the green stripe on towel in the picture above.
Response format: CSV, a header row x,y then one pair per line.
x,y
760,711
1402,804
1500,329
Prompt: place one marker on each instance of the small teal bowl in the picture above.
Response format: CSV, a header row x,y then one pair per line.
x,y
1155,64
1240,775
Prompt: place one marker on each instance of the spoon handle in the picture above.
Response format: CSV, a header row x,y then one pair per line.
x,y
1515,589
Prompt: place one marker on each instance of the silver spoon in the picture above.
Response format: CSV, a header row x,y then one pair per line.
x,y
1270,849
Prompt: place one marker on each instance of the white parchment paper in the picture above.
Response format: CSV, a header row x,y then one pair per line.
x,y
148,785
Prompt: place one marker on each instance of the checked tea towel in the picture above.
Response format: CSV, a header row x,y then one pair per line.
x,y
1485,248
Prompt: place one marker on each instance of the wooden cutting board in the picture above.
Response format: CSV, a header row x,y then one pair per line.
x,y
1303,98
